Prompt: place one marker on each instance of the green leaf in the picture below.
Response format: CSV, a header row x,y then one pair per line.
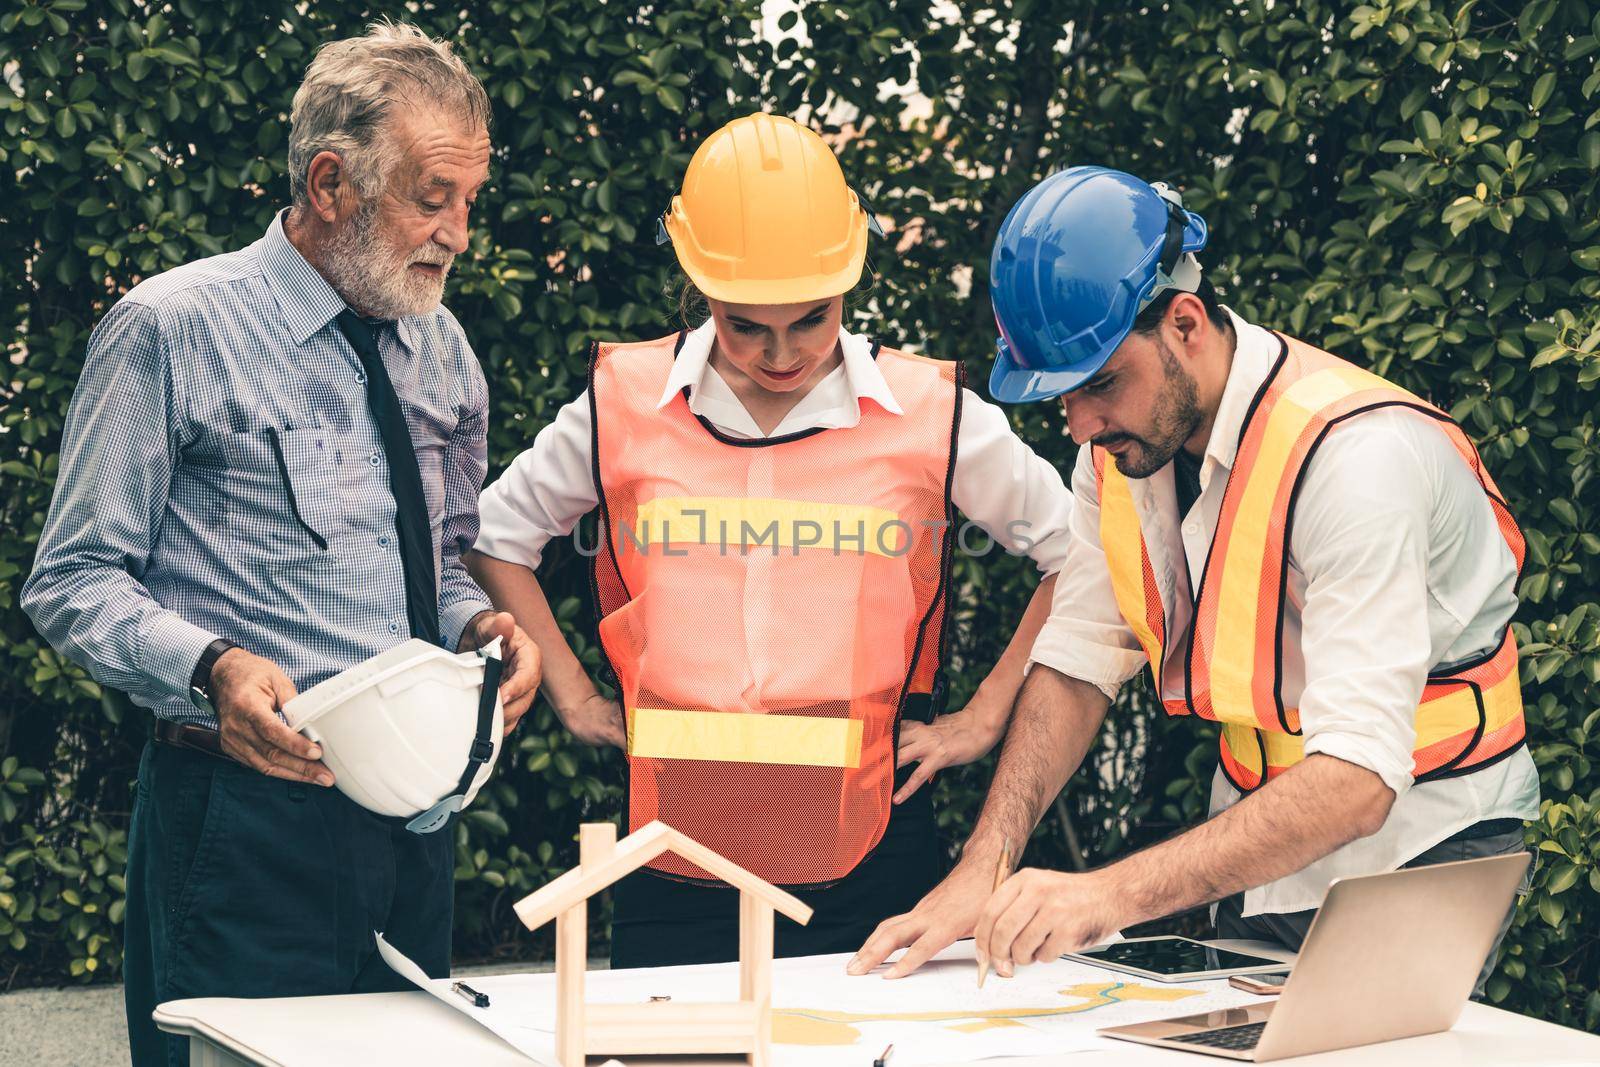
x,y
1275,89
670,98
1542,90
173,55
1565,877
493,821
254,75
1589,149
507,304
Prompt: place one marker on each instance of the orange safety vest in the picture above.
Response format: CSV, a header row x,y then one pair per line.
x,y
767,606
1470,715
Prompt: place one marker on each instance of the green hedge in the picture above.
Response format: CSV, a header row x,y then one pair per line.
x,y
1409,183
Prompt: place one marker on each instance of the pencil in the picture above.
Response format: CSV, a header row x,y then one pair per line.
x,y
1002,869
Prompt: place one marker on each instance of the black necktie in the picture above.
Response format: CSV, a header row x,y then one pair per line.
x,y
405,480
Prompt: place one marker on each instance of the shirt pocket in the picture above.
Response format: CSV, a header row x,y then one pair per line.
x,y
286,509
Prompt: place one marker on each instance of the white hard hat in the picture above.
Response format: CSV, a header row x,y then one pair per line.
x,y
413,732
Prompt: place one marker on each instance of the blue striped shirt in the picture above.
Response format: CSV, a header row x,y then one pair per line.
x,y
172,523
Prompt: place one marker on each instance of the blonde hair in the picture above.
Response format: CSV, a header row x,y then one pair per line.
x,y
351,89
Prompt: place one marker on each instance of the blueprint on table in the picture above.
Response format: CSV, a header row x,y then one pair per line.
x,y
936,1016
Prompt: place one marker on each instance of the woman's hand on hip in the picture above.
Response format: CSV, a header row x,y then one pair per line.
x,y
949,741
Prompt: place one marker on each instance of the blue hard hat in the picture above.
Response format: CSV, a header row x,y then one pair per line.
x,y
1077,259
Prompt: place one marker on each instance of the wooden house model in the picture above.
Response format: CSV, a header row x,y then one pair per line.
x,y
743,1026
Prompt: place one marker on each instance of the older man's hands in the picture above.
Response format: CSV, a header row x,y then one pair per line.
x,y
520,683
248,693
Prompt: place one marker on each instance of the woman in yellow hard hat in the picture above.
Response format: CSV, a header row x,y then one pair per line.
x,y
777,502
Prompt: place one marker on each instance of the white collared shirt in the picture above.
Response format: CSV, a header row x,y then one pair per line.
x,y
1001,484
1396,567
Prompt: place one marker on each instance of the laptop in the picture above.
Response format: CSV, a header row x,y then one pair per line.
x,y
1387,956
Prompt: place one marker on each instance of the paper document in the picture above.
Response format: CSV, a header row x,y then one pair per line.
x,y
934,1017
506,1017
938,1015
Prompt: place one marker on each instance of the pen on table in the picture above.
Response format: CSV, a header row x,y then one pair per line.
x,y
1001,869
883,1061
466,992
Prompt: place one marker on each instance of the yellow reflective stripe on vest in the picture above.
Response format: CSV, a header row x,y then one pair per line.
x,y
737,737
1234,663
1243,744
771,524
1123,544
1447,717
1502,702
1448,721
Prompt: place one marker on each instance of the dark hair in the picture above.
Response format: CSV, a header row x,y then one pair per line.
x,y
693,309
690,301
1150,319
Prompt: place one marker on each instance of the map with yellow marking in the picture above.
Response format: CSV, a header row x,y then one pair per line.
x,y
823,1017
815,1026
940,1015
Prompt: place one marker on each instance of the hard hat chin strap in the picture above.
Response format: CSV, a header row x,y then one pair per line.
x,y
482,752
1185,277
873,226
1175,268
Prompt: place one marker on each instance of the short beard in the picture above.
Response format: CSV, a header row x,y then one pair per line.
x,y
373,276
1175,415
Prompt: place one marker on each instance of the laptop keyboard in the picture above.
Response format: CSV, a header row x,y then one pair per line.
x,y
1234,1038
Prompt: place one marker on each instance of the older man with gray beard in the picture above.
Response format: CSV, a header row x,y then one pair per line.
x,y
269,472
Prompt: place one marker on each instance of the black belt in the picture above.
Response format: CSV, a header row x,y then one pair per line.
x,y
1486,828
189,735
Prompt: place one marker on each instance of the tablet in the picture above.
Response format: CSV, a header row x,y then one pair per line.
x,y
1175,959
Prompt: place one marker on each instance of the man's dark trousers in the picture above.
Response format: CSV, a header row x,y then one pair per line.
x,y
241,885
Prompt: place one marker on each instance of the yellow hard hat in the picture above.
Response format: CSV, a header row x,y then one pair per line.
x,y
765,216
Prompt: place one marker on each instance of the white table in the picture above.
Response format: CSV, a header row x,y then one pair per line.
x,y
415,1030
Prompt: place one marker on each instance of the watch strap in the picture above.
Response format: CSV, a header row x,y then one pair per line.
x,y
201,679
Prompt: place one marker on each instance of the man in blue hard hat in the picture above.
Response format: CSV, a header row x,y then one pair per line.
x,y
1300,551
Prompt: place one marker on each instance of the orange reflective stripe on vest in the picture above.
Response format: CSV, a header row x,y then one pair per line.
x,y
767,606
1468,716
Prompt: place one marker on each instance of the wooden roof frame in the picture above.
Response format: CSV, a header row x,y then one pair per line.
x,y
633,852
743,1026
